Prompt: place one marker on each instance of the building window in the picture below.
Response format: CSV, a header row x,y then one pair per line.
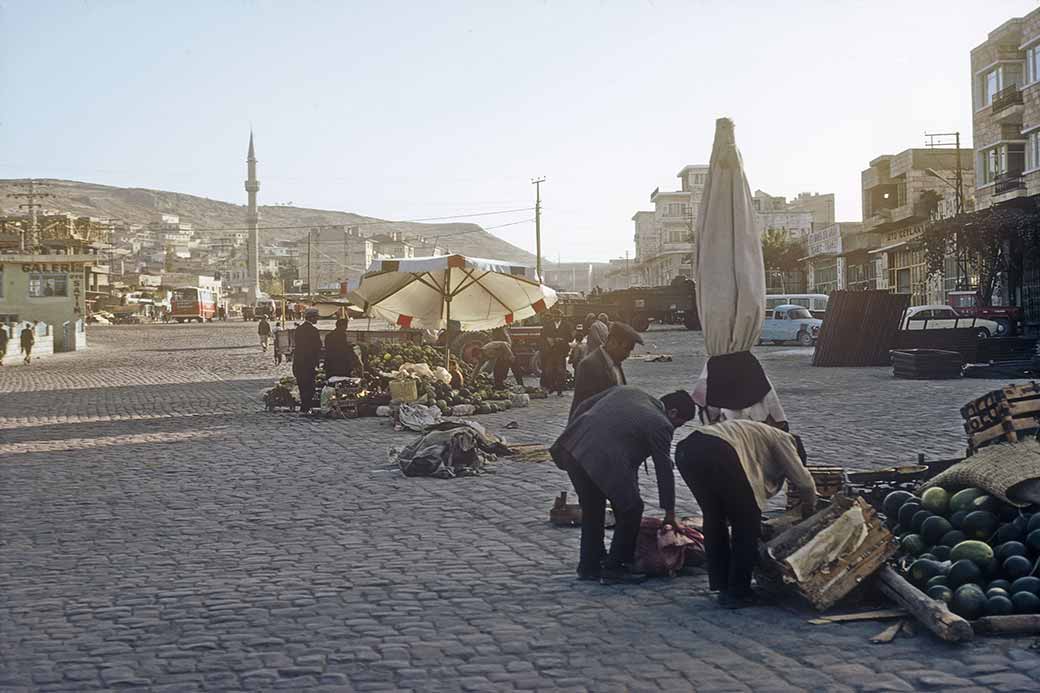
x,y
990,85
994,163
1033,64
1033,150
43,284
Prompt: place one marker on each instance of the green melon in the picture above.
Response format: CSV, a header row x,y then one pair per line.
x,y
923,570
957,518
937,580
1026,603
1026,584
1033,523
1000,584
935,527
917,521
941,552
999,605
906,512
997,592
953,538
1033,541
913,544
1008,549
963,572
962,500
968,601
893,502
935,500
977,551
940,593
980,525
1017,566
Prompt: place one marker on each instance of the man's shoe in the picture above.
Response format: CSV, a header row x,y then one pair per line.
x,y
620,574
589,575
728,600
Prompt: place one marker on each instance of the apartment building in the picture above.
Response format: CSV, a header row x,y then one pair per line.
x,y
665,237
830,248
777,214
1006,107
901,192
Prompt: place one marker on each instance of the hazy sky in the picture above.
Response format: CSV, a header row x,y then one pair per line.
x,y
418,109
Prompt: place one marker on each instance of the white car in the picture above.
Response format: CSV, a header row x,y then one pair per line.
x,y
940,317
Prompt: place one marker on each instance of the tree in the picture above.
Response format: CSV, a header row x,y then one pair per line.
x,y
995,242
781,253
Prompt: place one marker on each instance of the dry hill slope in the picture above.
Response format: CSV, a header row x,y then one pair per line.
x,y
140,206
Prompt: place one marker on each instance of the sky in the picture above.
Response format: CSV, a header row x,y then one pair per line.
x,y
421,109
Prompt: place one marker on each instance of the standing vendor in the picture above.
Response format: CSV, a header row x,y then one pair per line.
x,y
601,369
340,359
556,339
733,468
607,439
306,355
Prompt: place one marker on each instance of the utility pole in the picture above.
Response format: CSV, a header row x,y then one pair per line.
x,y
310,232
31,195
941,139
537,182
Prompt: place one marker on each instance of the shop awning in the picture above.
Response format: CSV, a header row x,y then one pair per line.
x,y
885,249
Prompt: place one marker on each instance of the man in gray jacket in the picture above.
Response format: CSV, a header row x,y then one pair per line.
x,y
610,435
601,369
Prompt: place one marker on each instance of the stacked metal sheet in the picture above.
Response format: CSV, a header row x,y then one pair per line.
x,y
860,328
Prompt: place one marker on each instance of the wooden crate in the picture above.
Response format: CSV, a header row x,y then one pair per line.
x,y
825,557
1002,415
830,481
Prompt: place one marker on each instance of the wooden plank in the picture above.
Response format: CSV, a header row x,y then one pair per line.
x,y
1007,430
888,634
875,615
931,613
1019,624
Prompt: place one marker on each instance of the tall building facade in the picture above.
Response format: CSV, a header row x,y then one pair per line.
x,y
252,280
665,237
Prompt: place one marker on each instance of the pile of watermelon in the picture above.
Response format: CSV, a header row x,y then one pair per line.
x,y
969,549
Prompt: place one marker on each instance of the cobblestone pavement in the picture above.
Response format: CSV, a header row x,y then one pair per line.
x,y
159,531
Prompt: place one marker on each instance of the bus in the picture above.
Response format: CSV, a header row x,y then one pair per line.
x,y
192,303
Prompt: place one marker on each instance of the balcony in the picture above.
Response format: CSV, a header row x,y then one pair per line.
x,y
1007,108
1008,183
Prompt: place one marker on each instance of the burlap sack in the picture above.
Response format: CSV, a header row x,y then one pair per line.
x,y
1009,471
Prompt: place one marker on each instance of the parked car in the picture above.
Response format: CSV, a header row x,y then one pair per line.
x,y
816,303
939,317
967,305
790,323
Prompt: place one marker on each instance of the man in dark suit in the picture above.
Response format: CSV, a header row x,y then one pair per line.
x,y
556,338
306,355
601,369
610,435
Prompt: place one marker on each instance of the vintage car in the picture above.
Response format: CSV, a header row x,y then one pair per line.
x,y
790,323
939,317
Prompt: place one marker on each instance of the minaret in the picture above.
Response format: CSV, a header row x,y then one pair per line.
x,y
252,220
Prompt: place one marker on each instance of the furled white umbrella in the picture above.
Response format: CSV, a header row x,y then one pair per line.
x,y
731,289
429,292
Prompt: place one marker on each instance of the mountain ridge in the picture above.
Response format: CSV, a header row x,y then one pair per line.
x,y
212,217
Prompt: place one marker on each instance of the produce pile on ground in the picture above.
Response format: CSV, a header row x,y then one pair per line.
x,y
282,394
969,549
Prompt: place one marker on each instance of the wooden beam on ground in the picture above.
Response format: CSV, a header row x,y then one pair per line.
x,y
876,615
931,613
1018,624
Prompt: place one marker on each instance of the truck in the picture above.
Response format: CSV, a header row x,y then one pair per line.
x,y
966,303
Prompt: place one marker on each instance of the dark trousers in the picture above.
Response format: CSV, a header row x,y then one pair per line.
x,y
712,470
502,368
554,368
304,374
628,513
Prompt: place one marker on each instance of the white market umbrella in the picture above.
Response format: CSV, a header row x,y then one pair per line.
x,y
428,292
731,286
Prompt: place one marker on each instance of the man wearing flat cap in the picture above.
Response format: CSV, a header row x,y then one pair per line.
x,y
306,355
601,369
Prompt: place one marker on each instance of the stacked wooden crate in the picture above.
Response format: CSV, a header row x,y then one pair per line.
x,y
1003,415
830,481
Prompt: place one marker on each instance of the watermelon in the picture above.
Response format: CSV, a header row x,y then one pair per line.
x,y
893,502
937,580
1026,603
1033,523
1017,566
941,553
962,500
940,593
935,500
968,601
1008,549
987,503
935,528
980,524
977,551
1001,584
999,605
1008,532
917,521
922,570
997,592
957,518
1033,541
963,572
953,538
906,512
1026,584
913,544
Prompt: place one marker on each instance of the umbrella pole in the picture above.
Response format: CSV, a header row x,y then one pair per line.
x,y
447,329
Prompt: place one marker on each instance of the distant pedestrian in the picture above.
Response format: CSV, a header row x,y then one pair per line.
x,y
3,344
601,370
222,313
306,356
28,339
556,338
263,329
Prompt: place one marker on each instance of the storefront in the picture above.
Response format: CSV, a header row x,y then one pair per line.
x,y
49,289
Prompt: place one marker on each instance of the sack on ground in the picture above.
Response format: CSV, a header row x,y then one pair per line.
x,y
665,552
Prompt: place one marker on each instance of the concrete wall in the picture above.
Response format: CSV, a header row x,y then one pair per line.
x,y
44,341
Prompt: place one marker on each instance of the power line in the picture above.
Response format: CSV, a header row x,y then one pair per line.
x,y
31,195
